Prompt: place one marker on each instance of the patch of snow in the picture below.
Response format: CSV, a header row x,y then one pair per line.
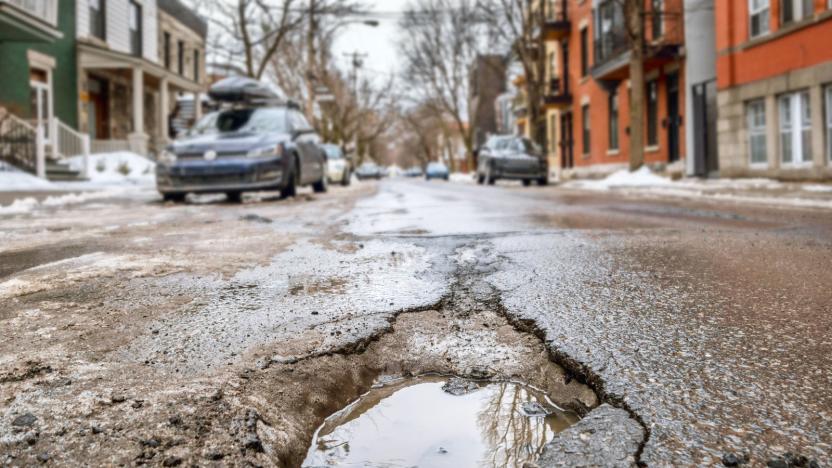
x,y
19,206
29,204
818,188
643,177
14,180
461,178
119,168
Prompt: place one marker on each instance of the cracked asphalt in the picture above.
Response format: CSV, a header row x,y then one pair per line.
x,y
683,332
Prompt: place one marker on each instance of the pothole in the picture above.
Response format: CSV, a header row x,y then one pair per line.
x,y
442,422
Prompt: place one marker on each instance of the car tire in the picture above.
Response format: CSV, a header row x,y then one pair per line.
x,y
543,181
480,179
320,186
234,197
346,180
526,182
489,179
291,188
174,197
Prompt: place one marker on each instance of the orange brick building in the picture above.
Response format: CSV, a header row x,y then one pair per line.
x,y
774,79
587,97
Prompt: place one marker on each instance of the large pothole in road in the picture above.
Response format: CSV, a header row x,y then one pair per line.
x,y
442,422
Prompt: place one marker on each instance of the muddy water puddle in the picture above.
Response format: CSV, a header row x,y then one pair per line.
x,y
417,423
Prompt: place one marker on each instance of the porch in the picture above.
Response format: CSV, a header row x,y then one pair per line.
x,y
126,102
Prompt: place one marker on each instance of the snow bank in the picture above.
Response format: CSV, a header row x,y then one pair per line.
x,y
12,179
461,178
117,168
29,204
643,177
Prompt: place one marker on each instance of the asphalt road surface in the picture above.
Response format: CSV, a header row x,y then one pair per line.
x,y
683,332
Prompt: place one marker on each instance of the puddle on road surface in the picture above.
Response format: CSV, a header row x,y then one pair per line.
x,y
414,423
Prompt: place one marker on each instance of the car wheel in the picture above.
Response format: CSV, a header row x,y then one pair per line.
x,y
526,182
543,181
291,188
320,186
347,178
174,197
480,179
234,197
489,179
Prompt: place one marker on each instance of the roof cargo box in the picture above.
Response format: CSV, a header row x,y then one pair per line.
x,y
241,89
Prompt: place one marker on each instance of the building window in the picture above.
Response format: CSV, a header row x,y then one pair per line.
x,y
613,120
166,51
795,128
180,57
196,65
653,113
756,114
758,17
135,26
795,10
585,128
584,52
657,23
98,23
829,118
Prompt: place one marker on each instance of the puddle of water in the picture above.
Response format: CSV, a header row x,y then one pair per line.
x,y
414,423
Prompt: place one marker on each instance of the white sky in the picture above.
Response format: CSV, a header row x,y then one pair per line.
x,y
378,43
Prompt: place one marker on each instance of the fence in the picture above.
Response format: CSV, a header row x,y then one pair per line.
x,y
18,142
66,142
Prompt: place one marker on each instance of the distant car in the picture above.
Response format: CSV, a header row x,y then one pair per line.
x,y
368,170
259,143
437,170
414,171
339,168
513,158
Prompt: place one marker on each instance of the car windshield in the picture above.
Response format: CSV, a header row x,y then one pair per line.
x,y
333,152
259,120
368,165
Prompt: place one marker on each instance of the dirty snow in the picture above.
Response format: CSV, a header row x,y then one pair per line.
x,y
13,180
643,177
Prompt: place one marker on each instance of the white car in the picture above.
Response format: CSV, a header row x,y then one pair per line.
x,y
338,167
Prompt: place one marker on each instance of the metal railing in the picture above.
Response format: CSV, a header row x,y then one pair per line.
x,y
44,10
18,142
555,11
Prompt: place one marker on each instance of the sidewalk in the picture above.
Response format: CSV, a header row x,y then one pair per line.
x,y
757,191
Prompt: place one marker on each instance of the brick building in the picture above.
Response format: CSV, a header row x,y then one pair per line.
x,y
774,79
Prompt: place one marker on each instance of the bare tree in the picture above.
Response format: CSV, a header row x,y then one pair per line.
x,y
517,26
442,38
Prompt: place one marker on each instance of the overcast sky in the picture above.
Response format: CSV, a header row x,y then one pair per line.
x,y
378,43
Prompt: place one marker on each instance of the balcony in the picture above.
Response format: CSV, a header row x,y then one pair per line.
x,y
557,94
29,20
556,24
663,41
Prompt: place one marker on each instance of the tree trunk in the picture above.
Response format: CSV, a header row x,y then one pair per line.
x,y
635,23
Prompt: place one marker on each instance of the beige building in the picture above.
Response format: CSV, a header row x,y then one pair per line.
x,y
133,57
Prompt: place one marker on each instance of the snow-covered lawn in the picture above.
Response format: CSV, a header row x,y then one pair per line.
x,y
110,174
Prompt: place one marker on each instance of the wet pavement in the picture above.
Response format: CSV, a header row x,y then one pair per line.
x,y
138,332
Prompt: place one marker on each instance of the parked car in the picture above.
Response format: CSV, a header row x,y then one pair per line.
x,y
414,171
258,143
368,170
437,170
514,158
339,167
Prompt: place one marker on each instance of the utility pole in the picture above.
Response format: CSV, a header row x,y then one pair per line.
x,y
357,61
311,60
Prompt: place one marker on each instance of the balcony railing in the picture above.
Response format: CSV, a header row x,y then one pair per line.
x,y
558,92
44,10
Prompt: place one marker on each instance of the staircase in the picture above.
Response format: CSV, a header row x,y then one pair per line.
x,y
25,146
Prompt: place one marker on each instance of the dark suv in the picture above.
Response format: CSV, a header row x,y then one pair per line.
x,y
255,143
511,157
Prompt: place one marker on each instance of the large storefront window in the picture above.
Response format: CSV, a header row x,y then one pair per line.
x,y
795,128
756,115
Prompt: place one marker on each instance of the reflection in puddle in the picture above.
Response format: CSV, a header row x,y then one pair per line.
x,y
415,423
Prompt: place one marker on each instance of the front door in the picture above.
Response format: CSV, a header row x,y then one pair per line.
x,y
673,118
40,99
705,161
566,141
98,109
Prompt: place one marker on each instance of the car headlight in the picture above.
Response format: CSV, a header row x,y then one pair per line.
x,y
167,157
266,152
